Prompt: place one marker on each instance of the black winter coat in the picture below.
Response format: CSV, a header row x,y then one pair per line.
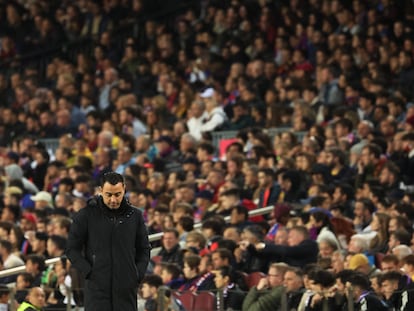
x,y
111,249
298,256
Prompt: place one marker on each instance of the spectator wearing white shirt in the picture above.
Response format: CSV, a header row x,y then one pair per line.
x,y
216,116
195,121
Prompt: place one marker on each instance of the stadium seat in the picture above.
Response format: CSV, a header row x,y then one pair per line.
x,y
156,259
205,301
187,299
253,278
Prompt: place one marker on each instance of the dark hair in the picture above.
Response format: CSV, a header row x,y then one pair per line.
x,y
187,222
193,261
360,280
227,271
27,277
224,253
58,241
171,268
390,276
322,277
112,178
241,209
37,259
344,275
152,280
172,230
6,245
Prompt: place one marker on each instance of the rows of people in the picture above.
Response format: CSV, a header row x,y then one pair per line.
x,y
146,107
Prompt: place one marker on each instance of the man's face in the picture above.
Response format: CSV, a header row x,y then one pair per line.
x,y
388,266
112,195
37,297
274,277
294,238
146,291
263,180
166,276
388,287
219,280
228,201
217,261
291,281
169,240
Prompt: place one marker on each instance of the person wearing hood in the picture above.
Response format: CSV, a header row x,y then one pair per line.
x,y
15,172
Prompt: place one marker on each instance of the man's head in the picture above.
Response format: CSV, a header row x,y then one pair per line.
x,y
293,280
360,263
221,257
36,297
170,239
297,235
150,285
223,276
169,272
359,283
112,189
265,177
276,274
389,283
390,262
35,264
42,199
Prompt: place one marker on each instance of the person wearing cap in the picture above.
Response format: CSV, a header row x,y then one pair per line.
x,y
43,201
108,243
196,115
216,117
360,263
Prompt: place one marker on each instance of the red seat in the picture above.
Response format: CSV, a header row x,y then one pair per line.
x,y
187,299
156,259
378,259
205,301
253,278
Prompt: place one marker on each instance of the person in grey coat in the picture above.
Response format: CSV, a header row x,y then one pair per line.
x,y
108,243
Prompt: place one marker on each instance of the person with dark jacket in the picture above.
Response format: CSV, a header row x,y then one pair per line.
x,y
362,296
232,295
301,250
171,251
397,290
108,243
269,188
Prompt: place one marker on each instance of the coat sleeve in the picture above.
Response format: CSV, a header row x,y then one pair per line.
x,y
142,247
256,302
76,241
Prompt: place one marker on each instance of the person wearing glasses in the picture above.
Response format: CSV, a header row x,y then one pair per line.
x,y
108,243
267,294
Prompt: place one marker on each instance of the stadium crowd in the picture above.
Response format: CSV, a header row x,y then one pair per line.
x,y
336,76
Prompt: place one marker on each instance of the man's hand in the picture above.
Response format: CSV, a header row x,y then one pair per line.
x,y
263,284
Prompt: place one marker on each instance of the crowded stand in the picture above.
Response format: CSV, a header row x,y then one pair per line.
x,y
213,110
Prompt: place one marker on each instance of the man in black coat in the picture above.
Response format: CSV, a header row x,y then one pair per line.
x,y
108,243
300,251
